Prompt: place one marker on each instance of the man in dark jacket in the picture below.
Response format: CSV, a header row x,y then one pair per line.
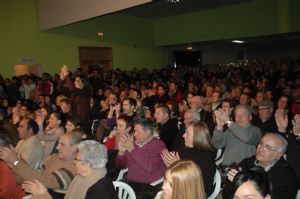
x,y
167,126
269,154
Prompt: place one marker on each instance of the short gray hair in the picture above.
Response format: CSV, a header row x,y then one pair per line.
x,y
243,107
194,113
93,153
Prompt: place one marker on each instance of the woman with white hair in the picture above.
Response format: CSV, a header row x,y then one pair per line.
x,y
91,180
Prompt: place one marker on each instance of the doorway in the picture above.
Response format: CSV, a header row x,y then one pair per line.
x,y
95,57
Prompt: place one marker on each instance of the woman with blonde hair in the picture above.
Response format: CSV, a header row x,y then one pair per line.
x,y
183,180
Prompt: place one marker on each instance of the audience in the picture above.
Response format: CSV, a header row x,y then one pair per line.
x,y
213,92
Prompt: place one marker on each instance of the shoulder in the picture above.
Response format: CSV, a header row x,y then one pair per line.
x,y
103,187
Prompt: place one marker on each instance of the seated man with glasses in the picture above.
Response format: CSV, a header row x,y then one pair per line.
x,y
269,155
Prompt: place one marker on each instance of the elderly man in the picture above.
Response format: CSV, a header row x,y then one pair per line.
x,y
58,171
241,137
141,156
269,155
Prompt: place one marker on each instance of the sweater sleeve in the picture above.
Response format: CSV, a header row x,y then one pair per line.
x,y
59,179
219,138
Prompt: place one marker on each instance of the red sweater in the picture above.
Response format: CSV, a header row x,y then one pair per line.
x,y
8,185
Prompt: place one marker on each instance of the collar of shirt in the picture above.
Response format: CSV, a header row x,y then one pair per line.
x,y
266,168
144,143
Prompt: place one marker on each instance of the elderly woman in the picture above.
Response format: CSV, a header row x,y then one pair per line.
x,y
198,148
91,180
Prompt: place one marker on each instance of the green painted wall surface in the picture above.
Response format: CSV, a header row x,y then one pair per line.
x,y
20,37
253,18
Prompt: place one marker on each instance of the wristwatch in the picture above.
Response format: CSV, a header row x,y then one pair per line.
x,y
16,162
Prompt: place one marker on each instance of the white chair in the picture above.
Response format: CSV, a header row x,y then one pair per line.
x,y
217,183
298,194
124,190
219,156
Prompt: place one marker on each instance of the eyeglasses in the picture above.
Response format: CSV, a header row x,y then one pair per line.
x,y
266,147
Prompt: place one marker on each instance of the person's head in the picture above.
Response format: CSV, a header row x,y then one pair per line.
x,y
67,145
183,179
27,128
162,114
65,105
197,136
55,120
191,116
265,110
282,102
143,130
124,125
134,93
112,99
128,106
209,91
161,90
45,111
216,97
71,124
271,147
253,183
196,102
244,99
227,105
260,96
24,111
172,86
91,155
79,82
243,116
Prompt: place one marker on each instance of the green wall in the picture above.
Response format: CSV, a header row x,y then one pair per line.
x,y
20,37
136,42
252,18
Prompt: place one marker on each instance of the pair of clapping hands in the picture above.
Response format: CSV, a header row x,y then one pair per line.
x,y
126,143
169,157
64,71
222,117
281,118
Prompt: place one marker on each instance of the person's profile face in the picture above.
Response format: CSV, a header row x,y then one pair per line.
x,y
167,187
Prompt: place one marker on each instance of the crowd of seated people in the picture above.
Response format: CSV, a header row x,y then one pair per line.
x,y
150,120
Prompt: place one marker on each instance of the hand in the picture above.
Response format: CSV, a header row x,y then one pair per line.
x,y
8,155
65,69
126,143
281,120
296,124
169,157
231,174
36,188
219,118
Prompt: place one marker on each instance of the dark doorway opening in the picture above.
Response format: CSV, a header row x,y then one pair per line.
x,y
187,58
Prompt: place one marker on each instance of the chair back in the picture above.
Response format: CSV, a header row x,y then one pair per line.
x,y
124,190
217,183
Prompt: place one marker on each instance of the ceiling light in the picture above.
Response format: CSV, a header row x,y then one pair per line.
x,y
238,41
173,1
100,34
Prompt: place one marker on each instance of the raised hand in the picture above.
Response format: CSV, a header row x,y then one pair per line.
x,y
281,120
296,124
